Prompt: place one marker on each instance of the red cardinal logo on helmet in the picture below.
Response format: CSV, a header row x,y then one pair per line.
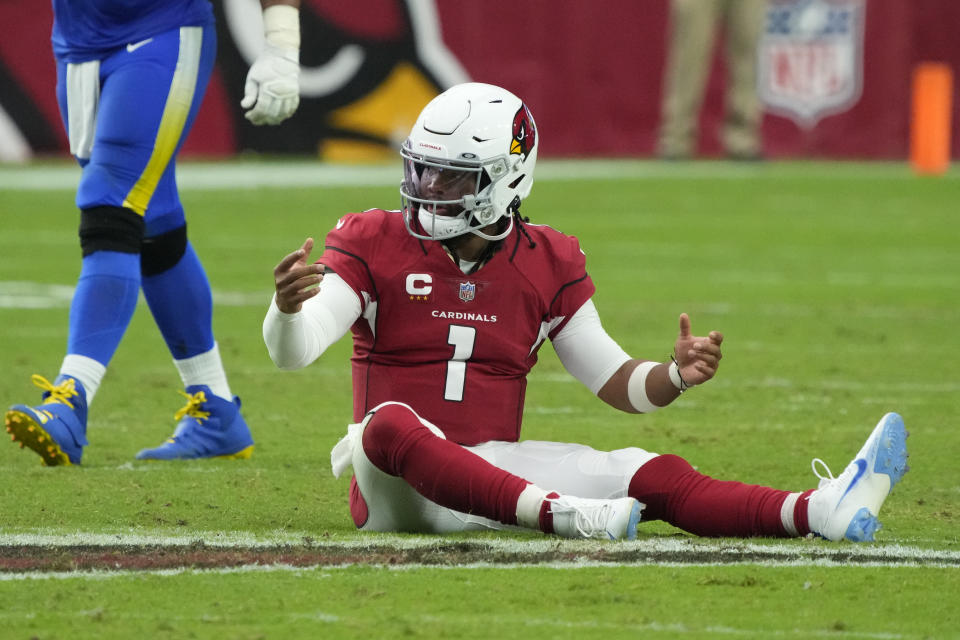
x,y
524,133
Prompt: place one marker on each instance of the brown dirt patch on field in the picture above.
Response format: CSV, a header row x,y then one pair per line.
x,y
199,555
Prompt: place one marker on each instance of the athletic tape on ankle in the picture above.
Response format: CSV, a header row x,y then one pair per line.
x,y
786,515
637,388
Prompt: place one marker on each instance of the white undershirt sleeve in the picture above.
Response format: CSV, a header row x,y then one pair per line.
x,y
294,340
586,350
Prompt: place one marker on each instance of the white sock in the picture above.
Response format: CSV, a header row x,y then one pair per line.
x,y
205,368
87,371
786,514
528,506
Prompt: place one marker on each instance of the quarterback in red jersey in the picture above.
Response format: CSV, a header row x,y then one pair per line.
x,y
455,346
449,301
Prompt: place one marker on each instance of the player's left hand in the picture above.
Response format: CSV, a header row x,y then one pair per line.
x,y
697,357
272,90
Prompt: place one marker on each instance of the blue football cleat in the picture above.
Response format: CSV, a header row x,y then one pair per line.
x,y
846,507
207,427
56,429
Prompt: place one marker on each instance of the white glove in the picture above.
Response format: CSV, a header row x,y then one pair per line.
x,y
272,88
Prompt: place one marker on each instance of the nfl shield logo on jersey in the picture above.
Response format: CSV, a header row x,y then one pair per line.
x,y
468,291
811,58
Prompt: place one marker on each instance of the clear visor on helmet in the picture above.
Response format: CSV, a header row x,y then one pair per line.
x,y
447,188
445,199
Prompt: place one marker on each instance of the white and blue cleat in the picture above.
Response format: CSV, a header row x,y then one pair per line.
x,y
613,519
846,507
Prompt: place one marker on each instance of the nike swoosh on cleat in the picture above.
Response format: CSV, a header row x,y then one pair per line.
x,y
861,469
136,45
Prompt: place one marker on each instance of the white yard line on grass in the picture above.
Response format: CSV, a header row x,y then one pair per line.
x,y
305,173
25,294
19,294
672,552
773,382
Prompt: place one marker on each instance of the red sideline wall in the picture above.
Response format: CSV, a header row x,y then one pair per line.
x,y
591,72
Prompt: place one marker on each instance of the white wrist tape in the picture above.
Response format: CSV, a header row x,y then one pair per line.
x,y
675,378
281,26
637,388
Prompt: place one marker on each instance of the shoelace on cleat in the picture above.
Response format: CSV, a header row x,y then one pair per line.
x,y
824,479
60,393
192,409
589,525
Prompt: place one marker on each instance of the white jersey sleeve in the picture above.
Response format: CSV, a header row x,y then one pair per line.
x,y
295,340
586,350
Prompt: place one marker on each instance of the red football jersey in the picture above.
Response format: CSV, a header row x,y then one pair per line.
x,y
455,347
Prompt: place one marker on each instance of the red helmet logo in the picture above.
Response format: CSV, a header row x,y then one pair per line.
x,y
524,132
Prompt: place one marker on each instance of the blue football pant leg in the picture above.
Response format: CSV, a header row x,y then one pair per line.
x,y
182,306
148,100
103,304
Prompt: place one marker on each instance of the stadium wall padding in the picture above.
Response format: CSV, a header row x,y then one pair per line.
x,y
590,71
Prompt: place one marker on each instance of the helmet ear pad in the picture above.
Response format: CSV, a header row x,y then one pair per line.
x,y
476,127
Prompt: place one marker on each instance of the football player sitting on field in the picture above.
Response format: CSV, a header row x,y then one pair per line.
x,y
449,301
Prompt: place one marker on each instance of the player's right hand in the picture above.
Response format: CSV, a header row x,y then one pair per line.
x,y
296,280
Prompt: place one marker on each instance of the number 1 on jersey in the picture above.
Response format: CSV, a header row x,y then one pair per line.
x,y
461,339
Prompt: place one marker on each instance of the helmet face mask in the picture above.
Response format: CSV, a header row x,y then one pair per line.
x,y
449,199
468,163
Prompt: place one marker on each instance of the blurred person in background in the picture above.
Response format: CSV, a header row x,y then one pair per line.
x,y
694,25
130,78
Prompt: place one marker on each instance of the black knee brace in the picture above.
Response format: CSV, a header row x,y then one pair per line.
x,y
163,252
110,229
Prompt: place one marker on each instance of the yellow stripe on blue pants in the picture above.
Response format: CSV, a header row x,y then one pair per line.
x,y
175,112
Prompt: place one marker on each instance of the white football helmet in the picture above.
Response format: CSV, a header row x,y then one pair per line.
x,y
468,163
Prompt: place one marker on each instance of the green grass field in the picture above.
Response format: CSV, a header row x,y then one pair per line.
x,y
837,287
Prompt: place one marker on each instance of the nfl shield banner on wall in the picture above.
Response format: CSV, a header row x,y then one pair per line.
x,y
811,58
